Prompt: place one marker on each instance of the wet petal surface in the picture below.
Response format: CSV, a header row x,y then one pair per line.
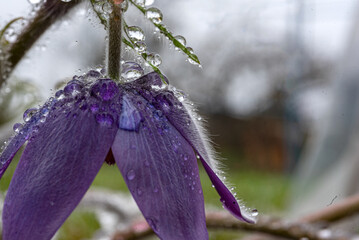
x,y
174,108
160,170
228,200
56,169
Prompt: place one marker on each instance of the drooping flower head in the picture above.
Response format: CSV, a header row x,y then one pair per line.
x,y
144,126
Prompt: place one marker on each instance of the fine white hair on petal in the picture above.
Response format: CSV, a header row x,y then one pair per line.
x,y
208,154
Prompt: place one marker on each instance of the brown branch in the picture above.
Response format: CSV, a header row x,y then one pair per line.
x,y
49,12
304,228
269,225
344,208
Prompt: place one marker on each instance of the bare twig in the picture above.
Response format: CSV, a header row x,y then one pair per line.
x,y
342,209
302,229
268,225
50,11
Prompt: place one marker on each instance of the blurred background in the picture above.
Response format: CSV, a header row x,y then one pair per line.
x,y
278,88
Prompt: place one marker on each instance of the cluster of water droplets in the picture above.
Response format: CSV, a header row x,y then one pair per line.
x,y
252,213
144,3
131,71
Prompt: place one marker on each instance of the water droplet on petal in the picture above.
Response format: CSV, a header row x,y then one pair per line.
x,y
139,191
130,117
131,71
93,75
155,15
154,59
17,127
73,88
29,113
135,33
104,89
94,108
60,95
155,190
104,119
254,213
131,175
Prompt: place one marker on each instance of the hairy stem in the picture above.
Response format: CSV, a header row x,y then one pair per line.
x,y
49,13
114,42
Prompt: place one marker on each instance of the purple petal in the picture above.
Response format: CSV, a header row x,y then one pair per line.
x,y
10,150
160,170
178,112
227,198
56,169
14,144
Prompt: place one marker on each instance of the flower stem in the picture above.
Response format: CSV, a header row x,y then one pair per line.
x,y
114,41
50,12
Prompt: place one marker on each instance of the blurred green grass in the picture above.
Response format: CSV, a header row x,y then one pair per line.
x,y
265,191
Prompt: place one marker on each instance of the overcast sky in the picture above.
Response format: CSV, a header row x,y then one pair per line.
x,y
325,30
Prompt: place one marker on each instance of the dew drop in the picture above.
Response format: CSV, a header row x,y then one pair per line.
x,y
155,15
93,75
10,35
17,127
29,113
149,2
73,88
60,95
104,119
106,7
124,5
135,33
154,59
131,175
104,89
33,2
66,0
139,191
185,157
140,2
181,39
130,118
94,108
254,213
140,46
131,71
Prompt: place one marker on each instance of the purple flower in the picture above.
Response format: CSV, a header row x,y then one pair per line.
x,y
143,126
